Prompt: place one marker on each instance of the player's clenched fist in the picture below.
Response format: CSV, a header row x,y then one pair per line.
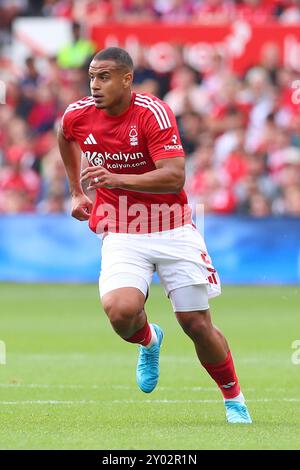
x,y
99,178
81,207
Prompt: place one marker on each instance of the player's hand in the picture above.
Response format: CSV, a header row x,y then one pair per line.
x,y
99,178
81,207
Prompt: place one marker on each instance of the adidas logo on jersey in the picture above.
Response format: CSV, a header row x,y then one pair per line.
x,y
90,140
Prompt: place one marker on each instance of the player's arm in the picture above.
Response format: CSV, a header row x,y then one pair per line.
x,y
71,156
168,177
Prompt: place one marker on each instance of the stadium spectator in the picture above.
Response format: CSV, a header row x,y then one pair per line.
x,y
186,94
93,12
175,11
191,125
54,203
59,8
255,11
75,53
214,12
270,61
19,185
291,201
145,78
259,205
290,12
135,11
43,113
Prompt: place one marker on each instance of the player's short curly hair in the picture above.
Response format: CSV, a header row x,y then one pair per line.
x,y
118,55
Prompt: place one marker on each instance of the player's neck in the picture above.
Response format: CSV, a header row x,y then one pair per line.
x,y
121,107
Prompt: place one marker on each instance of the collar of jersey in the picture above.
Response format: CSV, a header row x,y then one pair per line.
x,y
120,116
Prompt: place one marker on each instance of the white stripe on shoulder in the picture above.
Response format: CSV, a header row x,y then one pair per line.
x,y
164,111
80,102
83,101
74,108
148,106
158,105
153,106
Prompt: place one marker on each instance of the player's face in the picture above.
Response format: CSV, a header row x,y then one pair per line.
x,y
108,83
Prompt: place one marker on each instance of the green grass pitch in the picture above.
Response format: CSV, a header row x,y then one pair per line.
x,y
69,381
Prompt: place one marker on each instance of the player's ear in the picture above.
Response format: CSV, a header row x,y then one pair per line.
x,y
127,79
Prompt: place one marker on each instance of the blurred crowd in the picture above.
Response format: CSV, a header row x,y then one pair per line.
x,y
241,133
132,11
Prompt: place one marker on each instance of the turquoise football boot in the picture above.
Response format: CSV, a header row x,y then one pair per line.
x,y
147,370
237,412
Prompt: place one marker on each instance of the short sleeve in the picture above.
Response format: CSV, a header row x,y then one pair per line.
x,y
163,139
67,125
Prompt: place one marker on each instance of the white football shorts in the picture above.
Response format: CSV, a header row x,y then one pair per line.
x,y
179,256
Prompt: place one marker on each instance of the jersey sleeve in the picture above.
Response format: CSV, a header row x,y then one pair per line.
x,y
163,139
67,125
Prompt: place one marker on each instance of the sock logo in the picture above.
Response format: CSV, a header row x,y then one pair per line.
x,y
229,385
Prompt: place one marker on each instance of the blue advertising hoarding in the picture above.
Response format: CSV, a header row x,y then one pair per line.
x,y
57,248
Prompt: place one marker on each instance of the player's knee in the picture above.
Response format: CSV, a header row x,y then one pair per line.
x,y
197,326
120,311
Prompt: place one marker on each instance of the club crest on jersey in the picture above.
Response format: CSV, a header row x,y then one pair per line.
x,y
133,136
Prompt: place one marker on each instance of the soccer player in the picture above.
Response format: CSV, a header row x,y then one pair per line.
x,y
136,169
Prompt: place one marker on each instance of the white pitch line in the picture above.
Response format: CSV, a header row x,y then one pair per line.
x,y
104,387
127,387
115,359
120,387
62,386
95,402
49,402
254,400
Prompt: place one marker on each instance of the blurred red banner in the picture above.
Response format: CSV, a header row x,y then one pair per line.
x,y
242,44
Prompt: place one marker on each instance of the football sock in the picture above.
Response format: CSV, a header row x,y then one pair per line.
x,y
240,398
154,339
224,375
146,336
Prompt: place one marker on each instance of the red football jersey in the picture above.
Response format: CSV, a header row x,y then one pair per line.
x,y
129,143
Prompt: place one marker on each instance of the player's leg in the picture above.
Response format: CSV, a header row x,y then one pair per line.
x,y
210,344
189,279
191,307
124,283
125,310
